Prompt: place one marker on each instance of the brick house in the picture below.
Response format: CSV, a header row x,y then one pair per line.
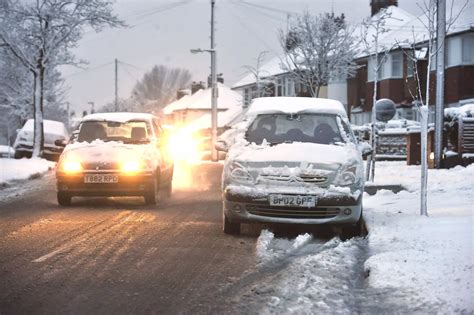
x,y
395,79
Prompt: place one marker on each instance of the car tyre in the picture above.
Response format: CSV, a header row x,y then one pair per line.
x,y
355,230
232,228
151,197
64,199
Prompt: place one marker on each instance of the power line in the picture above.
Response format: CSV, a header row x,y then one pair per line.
x,y
89,69
242,4
268,8
251,31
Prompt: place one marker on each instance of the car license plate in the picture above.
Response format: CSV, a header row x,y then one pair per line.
x,y
293,201
100,178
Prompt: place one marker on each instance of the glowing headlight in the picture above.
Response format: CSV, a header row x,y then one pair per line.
x,y
347,176
71,166
131,167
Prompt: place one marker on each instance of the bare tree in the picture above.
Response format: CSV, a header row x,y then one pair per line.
x,y
425,43
159,86
263,79
41,33
318,48
372,29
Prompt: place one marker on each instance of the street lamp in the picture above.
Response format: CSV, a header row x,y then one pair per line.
x,y
214,156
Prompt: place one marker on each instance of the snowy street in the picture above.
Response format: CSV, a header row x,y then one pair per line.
x,y
117,255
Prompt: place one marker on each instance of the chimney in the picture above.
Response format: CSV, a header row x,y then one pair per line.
x,y
377,5
220,79
196,86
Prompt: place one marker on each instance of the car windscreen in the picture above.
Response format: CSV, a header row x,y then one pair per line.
x,y
127,132
287,128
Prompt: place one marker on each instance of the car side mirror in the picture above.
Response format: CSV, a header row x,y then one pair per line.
x,y
60,143
365,149
221,145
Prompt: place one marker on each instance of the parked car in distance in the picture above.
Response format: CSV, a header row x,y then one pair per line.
x,y
115,154
53,130
292,160
6,151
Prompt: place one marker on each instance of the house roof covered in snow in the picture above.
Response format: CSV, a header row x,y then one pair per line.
x,y
271,68
403,29
202,100
224,119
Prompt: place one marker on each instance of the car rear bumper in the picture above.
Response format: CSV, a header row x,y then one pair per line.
x,y
333,210
127,185
52,150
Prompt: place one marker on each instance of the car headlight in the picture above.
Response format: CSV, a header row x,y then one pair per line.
x,y
71,166
131,167
347,176
239,172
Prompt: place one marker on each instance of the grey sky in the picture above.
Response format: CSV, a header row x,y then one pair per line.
x,y
163,31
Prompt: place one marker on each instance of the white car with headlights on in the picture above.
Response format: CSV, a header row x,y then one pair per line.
x,y
115,154
292,160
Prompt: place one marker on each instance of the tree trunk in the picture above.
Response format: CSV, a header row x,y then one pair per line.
x,y
38,140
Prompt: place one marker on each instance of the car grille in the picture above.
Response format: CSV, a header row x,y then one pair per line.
x,y
293,212
100,166
316,179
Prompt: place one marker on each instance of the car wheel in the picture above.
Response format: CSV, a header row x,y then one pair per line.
x,y
64,199
18,155
355,230
232,228
169,188
151,197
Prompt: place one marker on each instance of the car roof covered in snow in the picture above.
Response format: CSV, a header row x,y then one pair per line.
x,y
293,105
117,117
50,126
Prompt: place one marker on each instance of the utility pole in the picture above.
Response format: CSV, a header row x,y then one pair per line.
x,y
68,112
439,111
214,156
116,85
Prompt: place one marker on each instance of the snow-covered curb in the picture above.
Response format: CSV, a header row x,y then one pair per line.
x,y
13,170
432,256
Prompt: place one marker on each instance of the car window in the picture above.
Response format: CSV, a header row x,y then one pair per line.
x,y
128,132
281,128
347,131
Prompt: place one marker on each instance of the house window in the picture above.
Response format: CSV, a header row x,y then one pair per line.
x,y
410,63
279,90
397,65
468,49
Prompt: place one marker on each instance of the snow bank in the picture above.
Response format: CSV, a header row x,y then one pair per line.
x,y
429,255
22,169
462,111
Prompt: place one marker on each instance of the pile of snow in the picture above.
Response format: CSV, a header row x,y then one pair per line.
x,y
23,169
462,111
408,263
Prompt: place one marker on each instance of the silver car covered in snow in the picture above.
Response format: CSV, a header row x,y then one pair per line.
x,y
292,160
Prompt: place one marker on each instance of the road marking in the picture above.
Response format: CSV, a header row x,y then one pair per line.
x,y
123,217
47,256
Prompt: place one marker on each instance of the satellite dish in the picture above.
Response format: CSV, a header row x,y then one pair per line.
x,y
385,109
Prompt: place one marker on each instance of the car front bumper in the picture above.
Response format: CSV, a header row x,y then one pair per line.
x,y
127,185
330,209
